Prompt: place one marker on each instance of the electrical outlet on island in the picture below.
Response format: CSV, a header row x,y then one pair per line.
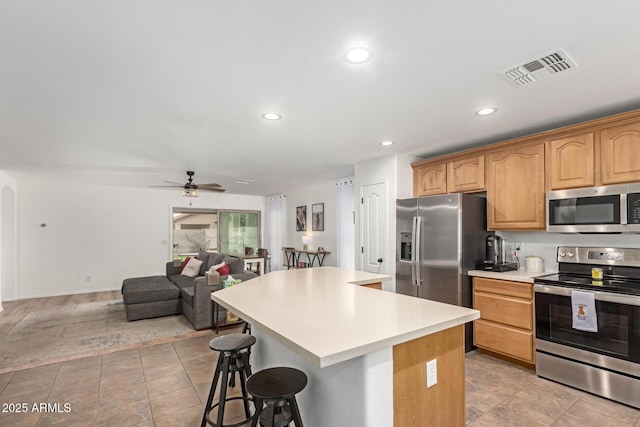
x,y
432,373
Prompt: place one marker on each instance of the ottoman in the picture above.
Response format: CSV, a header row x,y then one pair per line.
x,y
147,297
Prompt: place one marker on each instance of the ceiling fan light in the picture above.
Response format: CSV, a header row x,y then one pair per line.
x,y
189,192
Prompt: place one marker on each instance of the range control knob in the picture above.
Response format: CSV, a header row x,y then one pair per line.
x,y
570,254
562,253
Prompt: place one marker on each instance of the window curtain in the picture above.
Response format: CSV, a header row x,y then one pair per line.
x,y
274,212
345,229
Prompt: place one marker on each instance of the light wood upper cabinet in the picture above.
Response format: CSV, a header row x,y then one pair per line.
x,y
515,188
620,154
569,162
430,179
466,175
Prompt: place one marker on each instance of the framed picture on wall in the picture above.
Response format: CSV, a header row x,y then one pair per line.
x,y
301,218
317,217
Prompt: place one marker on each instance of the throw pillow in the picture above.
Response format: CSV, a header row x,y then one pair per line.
x,y
192,268
184,263
216,267
224,270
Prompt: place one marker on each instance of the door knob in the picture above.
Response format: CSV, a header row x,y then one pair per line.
x,y
379,260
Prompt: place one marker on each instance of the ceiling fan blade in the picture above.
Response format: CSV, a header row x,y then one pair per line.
x,y
219,190
174,183
166,186
212,184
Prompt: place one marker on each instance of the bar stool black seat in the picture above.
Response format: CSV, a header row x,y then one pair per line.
x,y
234,358
276,388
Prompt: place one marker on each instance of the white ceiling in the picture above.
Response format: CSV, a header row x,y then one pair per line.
x,y
137,92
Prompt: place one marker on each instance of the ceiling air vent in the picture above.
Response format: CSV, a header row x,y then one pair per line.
x,y
554,63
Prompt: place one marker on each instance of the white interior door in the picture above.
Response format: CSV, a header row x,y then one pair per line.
x,y
374,227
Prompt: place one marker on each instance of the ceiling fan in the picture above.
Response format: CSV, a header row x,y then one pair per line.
x,y
190,189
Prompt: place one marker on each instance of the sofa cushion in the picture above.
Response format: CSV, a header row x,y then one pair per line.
x,y
192,269
187,295
214,259
182,281
204,257
139,290
242,276
235,264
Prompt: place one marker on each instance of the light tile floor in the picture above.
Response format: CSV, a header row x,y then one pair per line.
x,y
167,385
501,394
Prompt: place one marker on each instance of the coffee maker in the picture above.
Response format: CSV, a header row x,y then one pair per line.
x,y
493,250
494,256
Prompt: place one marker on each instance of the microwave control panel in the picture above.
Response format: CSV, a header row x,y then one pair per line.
x,y
633,208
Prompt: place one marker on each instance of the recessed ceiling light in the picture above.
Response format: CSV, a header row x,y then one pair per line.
x,y
385,143
271,116
486,111
358,55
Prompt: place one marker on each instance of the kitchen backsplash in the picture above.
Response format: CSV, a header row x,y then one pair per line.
x,y
545,244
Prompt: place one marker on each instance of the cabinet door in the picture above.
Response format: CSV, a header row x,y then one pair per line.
x,y
430,179
466,175
515,188
620,154
570,162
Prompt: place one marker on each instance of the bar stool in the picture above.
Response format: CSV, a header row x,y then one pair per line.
x,y
276,388
232,360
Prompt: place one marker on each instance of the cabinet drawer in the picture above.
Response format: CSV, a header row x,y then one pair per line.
x,y
509,311
502,287
505,340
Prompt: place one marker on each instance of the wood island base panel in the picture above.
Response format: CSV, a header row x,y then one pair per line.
x,y
415,405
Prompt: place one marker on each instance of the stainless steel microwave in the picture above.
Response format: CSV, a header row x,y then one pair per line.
x,y
606,209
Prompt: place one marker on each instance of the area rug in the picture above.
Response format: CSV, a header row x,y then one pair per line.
x,y
60,333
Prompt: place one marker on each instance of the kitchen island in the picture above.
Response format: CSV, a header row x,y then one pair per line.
x,y
364,350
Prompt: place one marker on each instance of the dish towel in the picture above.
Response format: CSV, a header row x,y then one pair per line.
x,y
583,307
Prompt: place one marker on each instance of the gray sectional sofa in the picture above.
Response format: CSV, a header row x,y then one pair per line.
x,y
174,293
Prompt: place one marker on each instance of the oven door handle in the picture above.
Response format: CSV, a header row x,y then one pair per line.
x,y
599,296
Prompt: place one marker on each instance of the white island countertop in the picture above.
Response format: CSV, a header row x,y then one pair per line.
x,y
321,315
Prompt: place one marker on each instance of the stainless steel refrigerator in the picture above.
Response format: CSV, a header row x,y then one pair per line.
x,y
438,240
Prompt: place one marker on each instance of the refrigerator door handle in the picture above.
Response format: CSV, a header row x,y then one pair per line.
x,y
417,236
413,250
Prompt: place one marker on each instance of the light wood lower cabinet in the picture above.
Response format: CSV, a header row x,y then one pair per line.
x,y
506,324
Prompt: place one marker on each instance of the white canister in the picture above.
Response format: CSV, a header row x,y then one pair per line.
x,y
533,264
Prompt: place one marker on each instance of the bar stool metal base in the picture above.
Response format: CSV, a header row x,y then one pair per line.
x,y
234,358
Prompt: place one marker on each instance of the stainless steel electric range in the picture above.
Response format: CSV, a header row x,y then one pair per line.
x,y
604,360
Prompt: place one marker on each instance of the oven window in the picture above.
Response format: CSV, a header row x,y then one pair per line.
x,y
612,337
